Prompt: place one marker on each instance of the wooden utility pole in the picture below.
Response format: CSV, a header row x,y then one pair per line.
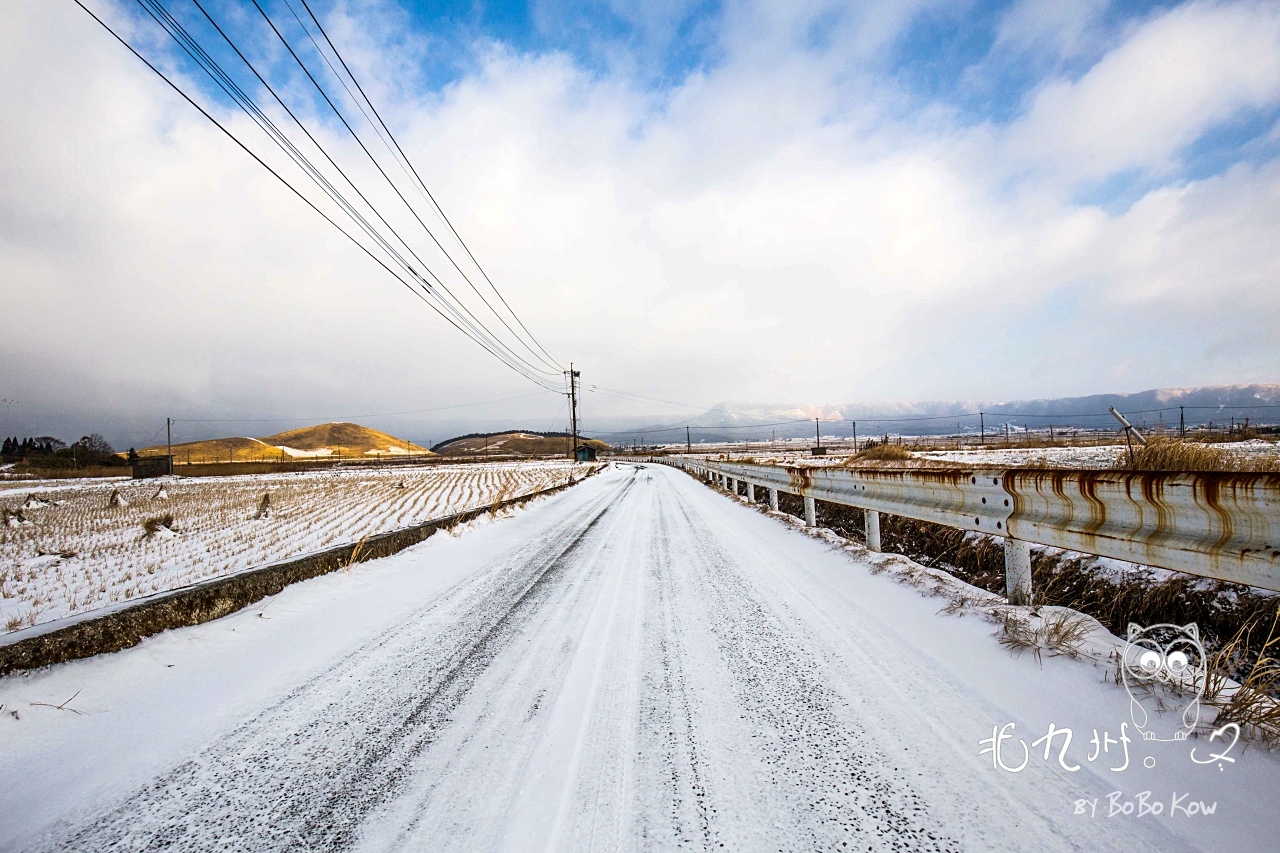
x,y
855,436
573,405
168,433
688,442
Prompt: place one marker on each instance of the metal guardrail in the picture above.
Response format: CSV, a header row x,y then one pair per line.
x,y
1217,525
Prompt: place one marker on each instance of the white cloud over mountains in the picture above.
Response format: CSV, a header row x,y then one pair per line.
x,y
788,223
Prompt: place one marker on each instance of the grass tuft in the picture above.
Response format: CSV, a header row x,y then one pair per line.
x,y
156,524
883,453
1170,454
1253,705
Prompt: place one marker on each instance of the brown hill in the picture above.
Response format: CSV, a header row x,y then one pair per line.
x,y
515,444
317,442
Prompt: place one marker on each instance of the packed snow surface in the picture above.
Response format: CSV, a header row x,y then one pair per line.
x,y
638,663
77,550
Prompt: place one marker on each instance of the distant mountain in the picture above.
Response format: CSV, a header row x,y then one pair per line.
x,y
323,440
513,444
755,421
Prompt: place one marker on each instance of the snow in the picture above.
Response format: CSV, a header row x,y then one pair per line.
x,y
293,451
217,529
1100,456
638,662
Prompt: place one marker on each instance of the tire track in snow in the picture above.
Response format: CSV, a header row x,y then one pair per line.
x,y
832,787
304,773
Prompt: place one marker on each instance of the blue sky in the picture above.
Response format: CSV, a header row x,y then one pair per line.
x,y
779,202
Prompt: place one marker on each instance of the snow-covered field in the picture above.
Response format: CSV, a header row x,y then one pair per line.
x,y
66,547
636,664
1099,456
1088,456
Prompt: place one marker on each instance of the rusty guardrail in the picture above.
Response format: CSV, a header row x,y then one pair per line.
x,y
1212,524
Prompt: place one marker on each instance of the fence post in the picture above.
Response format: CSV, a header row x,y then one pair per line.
x,y
751,492
773,500
872,529
1017,570
810,513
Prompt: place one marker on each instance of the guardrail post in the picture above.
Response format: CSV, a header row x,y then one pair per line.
x,y
1017,570
751,492
810,513
773,500
872,529
733,485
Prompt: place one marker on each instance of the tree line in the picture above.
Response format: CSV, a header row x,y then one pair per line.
x,y
45,451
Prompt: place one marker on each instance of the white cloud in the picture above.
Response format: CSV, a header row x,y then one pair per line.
x,y
754,238
1065,28
1178,75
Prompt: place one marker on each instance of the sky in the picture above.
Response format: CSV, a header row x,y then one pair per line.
x,y
694,202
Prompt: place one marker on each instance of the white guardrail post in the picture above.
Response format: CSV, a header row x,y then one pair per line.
x,y
1218,525
1017,570
751,492
810,512
872,526
773,500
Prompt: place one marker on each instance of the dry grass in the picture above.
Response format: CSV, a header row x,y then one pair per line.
x,y
350,441
1059,633
883,453
80,551
1170,454
32,470
1222,610
1253,705
154,525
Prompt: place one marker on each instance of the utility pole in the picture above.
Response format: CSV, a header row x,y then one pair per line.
x,y
855,436
982,428
817,431
573,404
688,441
168,433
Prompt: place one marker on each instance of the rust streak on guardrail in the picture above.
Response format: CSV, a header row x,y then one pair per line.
x,y
1224,525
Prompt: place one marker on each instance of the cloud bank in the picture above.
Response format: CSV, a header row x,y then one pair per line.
x,y
791,215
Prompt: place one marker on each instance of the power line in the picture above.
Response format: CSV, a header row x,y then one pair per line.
x,y
215,71
391,183
191,47
420,183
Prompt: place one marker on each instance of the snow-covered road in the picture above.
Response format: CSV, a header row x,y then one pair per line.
x,y
639,663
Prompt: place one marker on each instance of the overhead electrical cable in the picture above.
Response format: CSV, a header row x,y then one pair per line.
x,y
199,55
393,185
285,181
315,142
473,329
422,184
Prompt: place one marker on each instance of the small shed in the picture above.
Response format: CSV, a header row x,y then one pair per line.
x,y
585,453
145,467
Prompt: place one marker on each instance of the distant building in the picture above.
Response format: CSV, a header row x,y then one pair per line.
x,y
585,453
151,466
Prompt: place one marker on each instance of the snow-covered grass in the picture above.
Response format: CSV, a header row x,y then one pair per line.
x,y
72,546
1076,456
